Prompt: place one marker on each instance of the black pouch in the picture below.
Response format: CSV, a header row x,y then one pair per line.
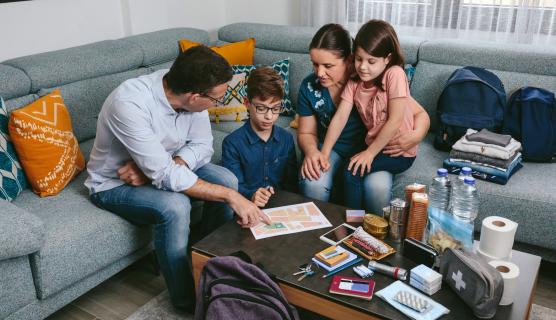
x,y
419,252
477,283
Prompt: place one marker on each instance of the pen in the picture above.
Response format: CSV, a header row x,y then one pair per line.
x,y
349,264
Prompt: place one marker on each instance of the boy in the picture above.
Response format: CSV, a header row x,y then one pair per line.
x,y
261,154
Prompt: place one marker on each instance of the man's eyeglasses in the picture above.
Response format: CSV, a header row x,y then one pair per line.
x,y
264,109
218,102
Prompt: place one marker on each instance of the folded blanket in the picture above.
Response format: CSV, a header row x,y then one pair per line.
x,y
482,172
456,155
490,150
488,137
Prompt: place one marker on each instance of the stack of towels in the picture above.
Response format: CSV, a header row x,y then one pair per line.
x,y
493,157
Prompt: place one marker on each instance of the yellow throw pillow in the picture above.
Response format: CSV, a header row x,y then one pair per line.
x,y
44,141
241,52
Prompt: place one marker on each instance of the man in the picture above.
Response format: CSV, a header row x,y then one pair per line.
x,y
156,129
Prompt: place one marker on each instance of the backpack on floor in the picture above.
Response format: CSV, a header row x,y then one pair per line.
x,y
231,288
530,118
472,98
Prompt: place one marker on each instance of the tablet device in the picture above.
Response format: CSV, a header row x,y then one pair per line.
x,y
338,234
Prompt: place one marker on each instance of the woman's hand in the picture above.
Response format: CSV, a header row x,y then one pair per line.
x,y
313,164
361,160
401,143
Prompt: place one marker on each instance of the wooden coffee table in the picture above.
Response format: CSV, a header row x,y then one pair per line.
x,y
282,254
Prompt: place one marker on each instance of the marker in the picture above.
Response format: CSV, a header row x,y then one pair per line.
x,y
347,265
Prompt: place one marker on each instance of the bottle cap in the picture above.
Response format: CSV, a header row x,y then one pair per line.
x,y
466,170
469,181
442,172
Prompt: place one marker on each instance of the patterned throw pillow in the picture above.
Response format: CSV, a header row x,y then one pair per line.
x,y
47,148
283,68
233,108
12,178
409,72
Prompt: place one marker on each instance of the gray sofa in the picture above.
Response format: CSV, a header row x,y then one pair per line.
x,y
54,249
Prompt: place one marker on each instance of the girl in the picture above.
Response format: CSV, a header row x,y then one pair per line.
x,y
380,92
319,96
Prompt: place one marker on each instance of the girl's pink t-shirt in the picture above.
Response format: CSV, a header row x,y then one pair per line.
x,y
372,103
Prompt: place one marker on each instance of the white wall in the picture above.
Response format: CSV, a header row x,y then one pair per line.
x,y
31,27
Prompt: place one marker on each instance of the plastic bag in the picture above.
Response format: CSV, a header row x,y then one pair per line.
x,y
444,230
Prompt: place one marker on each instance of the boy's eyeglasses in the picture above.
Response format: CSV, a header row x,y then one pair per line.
x,y
218,102
264,109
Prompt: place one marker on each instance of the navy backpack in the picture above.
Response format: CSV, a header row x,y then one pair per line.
x,y
530,118
472,98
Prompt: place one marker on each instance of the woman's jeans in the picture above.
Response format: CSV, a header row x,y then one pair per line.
x,y
370,193
169,212
377,187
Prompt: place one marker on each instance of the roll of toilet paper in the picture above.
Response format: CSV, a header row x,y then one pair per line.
x,y
510,273
497,237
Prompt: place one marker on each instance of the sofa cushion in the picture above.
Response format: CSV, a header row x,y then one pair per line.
x,y
85,98
17,103
13,82
48,151
519,200
21,232
80,238
16,285
59,67
162,46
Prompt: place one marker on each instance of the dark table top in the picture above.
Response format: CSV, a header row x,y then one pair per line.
x,y
281,255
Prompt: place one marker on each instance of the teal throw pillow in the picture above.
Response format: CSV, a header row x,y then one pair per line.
x,y
283,68
409,72
12,178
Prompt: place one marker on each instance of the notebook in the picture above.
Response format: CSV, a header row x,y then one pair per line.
x,y
352,256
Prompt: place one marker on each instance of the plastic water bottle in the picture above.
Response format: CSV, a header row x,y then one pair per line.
x,y
440,190
465,172
466,201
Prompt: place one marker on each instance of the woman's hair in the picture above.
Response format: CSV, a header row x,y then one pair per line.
x,y
333,37
378,38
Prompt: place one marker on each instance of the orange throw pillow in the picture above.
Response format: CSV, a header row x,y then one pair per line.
x,y
44,141
241,52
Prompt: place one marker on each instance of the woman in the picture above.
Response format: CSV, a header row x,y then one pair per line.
x,y
319,95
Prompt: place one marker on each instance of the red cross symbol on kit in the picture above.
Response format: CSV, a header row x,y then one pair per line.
x,y
458,280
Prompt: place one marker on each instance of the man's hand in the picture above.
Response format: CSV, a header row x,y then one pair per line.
x,y
401,143
312,165
178,160
261,196
131,174
249,214
364,160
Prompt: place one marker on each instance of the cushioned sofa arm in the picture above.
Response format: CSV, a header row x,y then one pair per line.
x,y
21,232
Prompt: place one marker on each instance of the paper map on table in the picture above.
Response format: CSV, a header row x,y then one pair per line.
x,y
291,219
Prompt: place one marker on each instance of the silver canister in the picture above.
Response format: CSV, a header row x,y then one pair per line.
x,y
398,218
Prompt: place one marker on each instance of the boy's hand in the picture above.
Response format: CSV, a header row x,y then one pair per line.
x,y
261,196
361,160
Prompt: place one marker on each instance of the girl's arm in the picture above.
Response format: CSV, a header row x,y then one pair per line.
x,y
336,126
364,160
405,141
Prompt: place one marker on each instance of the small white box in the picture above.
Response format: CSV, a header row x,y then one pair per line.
x,y
426,276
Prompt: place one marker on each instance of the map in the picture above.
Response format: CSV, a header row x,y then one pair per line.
x,y
291,219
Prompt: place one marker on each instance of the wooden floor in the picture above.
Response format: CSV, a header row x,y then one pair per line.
x,y
119,296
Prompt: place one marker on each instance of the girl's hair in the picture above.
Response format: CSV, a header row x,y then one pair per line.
x,y
378,38
333,37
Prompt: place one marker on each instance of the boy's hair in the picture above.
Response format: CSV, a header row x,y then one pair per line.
x,y
198,70
333,37
378,38
265,83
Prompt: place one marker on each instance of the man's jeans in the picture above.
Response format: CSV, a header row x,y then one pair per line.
x,y
377,187
169,212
